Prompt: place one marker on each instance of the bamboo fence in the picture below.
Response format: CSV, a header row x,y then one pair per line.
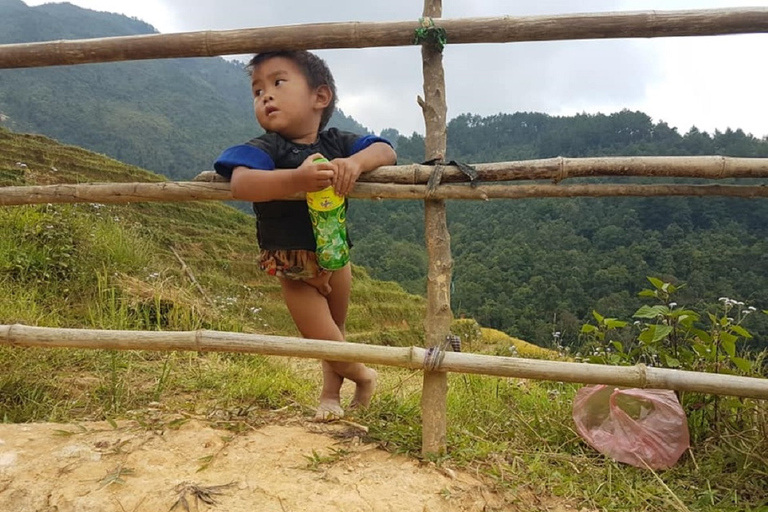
x,y
639,376
415,182
502,29
409,182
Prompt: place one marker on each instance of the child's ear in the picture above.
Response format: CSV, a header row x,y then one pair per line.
x,y
323,96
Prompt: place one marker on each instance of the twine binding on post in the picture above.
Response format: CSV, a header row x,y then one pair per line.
x,y
429,33
561,172
642,371
436,177
433,358
435,355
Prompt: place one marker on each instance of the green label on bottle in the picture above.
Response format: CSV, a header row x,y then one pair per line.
x,y
328,213
331,237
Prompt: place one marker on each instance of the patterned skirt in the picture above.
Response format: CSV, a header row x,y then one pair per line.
x,y
290,264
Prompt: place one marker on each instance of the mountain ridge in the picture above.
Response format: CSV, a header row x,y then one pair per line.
x,y
172,116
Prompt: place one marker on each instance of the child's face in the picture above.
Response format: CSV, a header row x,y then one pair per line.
x,y
284,102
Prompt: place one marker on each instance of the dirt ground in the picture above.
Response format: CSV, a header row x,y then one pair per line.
x,y
293,465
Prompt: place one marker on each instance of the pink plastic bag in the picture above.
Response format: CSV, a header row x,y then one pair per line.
x,y
632,425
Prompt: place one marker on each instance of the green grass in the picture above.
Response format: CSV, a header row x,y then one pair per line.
x,y
520,434
112,267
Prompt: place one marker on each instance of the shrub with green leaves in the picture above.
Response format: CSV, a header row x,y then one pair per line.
x,y
669,335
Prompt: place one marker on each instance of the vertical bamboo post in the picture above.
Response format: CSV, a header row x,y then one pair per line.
x,y
438,321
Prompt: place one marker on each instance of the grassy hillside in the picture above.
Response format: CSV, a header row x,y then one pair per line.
x,y
74,256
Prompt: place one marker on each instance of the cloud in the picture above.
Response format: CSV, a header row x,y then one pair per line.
x,y
712,83
546,77
379,86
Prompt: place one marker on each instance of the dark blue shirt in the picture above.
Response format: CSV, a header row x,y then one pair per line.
x,y
285,224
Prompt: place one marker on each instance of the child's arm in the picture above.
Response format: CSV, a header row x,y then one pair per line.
x,y
259,185
350,168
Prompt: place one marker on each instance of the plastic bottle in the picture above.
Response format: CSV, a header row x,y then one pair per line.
x,y
328,213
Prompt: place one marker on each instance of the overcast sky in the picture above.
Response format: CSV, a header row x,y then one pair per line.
x,y
710,82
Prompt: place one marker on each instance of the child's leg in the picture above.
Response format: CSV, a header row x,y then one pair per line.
x,y
320,317
329,404
338,302
313,318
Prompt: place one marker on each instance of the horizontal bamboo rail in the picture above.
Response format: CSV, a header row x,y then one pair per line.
x,y
705,22
405,182
639,376
562,168
115,193
122,193
485,192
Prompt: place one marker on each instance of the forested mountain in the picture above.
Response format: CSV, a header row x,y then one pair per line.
x,y
169,116
528,267
532,267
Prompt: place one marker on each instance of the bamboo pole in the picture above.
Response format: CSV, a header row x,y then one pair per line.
x,y
639,376
485,192
115,193
560,168
434,397
122,193
504,29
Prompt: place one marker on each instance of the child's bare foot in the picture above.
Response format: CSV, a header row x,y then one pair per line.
x,y
328,410
364,390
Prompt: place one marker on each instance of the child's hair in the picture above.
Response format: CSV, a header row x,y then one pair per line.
x,y
314,68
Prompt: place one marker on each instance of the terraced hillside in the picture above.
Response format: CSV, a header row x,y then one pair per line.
x,y
128,251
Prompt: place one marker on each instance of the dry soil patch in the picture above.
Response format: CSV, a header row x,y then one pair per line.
x,y
299,466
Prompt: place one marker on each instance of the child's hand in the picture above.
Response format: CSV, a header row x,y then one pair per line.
x,y
314,176
347,172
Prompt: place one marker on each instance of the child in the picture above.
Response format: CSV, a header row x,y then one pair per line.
x,y
294,97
